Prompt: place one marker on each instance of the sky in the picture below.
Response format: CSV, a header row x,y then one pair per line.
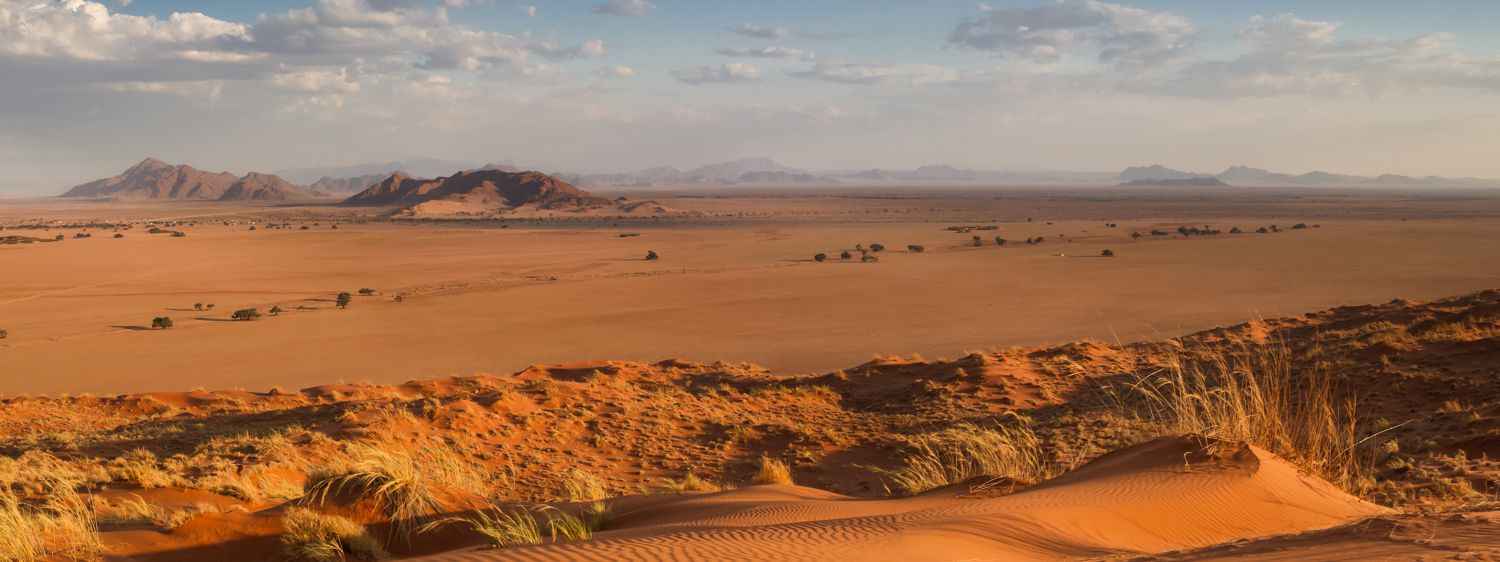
x,y
1360,86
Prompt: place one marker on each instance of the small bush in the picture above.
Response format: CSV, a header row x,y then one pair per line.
x,y
651,255
342,301
688,483
367,291
245,315
1107,253
820,258
322,537
966,451
161,323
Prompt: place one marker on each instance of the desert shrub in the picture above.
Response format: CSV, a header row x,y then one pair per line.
x,y
198,306
161,322
245,314
366,291
877,247
4,334
651,255
846,255
566,527
179,234
772,471
342,301
965,451
1107,253
820,258
915,248
410,482
275,311
209,306
1254,394
978,241
118,235
869,258
321,537
999,241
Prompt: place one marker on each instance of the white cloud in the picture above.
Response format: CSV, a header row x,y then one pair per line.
x,y
733,72
845,72
1289,55
589,49
615,72
528,9
766,53
625,8
1122,35
752,30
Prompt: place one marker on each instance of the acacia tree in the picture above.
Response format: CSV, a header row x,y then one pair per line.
x,y
246,314
846,255
161,323
343,300
820,258
197,306
275,310
651,255
367,291
1107,253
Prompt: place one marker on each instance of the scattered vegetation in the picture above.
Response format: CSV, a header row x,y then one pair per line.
x,y
410,482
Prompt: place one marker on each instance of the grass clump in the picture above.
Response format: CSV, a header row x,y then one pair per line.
x,y
688,483
410,483
504,528
583,486
965,451
324,537
63,527
1257,395
772,471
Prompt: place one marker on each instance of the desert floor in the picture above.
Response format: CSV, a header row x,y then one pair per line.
x,y
735,281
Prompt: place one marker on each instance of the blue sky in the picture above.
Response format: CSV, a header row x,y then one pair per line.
x,y
88,88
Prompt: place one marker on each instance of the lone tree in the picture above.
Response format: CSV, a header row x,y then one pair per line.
x,y
161,323
1107,253
118,235
209,306
846,255
978,241
999,241
820,258
651,255
877,247
916,248
343,300
246,314
275,310
197,306
367,291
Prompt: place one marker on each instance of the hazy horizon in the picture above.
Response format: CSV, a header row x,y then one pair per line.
x,y
593,86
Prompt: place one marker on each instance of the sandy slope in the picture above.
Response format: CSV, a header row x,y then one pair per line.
x,y
1168,494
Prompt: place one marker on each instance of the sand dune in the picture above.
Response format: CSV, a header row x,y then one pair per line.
x,y
1169,494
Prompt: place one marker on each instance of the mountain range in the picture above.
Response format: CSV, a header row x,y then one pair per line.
x,y
475,192
1248,176
155,179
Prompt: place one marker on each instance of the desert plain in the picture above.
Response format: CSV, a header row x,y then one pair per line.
x,y
736,282
532,387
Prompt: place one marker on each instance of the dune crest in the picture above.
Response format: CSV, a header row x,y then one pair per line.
x,y
1168,494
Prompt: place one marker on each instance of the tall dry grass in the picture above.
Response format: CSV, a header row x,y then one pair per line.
x,y
411,482
1257,394
63,527
966,451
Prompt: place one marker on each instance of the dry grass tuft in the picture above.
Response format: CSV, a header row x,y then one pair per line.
x,y
965,451
504,528
1255,395
772,471
410,482
583,486
61,528
688,483
323,537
